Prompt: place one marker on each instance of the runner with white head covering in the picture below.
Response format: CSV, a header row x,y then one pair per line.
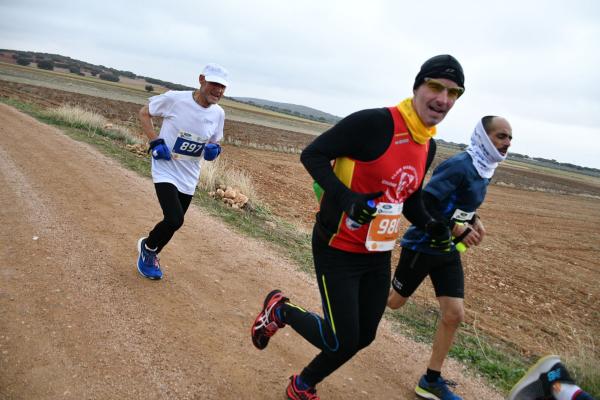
x,y
454,193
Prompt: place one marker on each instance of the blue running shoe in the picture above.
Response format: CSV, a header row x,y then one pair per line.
x,y
437,390
147,264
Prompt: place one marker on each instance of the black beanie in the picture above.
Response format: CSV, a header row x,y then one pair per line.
x,y
442,66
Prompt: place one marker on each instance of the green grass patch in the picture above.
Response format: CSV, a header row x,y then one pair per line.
x,y
498,361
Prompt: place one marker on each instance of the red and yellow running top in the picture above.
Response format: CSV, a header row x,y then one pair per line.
x,y
398,172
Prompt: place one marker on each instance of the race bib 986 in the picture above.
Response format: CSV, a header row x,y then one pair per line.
x,y
385,227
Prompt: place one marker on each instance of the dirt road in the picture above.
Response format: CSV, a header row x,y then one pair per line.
x,y
78,322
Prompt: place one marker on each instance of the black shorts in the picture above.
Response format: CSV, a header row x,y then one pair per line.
x,y
445,271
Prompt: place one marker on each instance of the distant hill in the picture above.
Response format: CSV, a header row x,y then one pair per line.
x,y
291,109
59,62
63,63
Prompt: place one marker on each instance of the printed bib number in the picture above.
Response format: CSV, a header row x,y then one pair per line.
x,y
385,227
187,146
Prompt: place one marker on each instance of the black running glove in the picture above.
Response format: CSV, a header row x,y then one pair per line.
x,y
439,235
357,206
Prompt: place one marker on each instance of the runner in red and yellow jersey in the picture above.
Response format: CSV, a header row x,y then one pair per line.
x,y
380,157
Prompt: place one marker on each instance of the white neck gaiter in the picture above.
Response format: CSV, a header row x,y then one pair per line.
x,y
485,156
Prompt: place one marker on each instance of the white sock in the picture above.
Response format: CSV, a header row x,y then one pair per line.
x,y
566,391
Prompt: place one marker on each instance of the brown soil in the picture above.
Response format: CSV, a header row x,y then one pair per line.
x,y
91,328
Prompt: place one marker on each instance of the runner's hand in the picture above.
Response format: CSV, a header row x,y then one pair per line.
x,y
466,234
211,151
358,209
439,235
159,150
479,228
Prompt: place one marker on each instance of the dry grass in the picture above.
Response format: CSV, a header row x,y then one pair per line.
x,y
78,117
580,355
219,172
581,361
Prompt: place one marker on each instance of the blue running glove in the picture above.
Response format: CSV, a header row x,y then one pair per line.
x,y
211,151
159,150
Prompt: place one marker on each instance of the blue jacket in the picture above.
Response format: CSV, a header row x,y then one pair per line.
x,y
456,185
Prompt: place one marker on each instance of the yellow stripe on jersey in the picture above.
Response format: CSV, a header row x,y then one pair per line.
x,y
344,170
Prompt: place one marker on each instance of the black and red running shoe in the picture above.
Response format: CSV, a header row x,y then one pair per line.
x,y
267,323
294,393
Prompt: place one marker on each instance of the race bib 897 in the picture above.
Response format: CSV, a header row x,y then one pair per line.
x,y
188,146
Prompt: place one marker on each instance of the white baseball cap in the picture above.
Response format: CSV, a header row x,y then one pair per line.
x,y
215,73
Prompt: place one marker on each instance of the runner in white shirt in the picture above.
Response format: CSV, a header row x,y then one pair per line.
x,y
192,126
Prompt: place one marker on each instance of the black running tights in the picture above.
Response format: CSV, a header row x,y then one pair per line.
x,y
354,289
174,205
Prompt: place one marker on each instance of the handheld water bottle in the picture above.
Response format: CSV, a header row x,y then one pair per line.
x,y
458,244
460,247
353,225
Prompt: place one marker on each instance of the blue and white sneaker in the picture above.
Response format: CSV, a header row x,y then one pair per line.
x,y
436,390
147,264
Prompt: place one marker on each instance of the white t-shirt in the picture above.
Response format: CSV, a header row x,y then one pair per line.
x,y
185,128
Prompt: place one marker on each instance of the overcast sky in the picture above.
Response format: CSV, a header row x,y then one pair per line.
x,y
534,62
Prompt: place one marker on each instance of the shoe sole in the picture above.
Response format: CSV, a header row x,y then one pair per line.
x,y
289,394
139,249
518,391
265,304
424,394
